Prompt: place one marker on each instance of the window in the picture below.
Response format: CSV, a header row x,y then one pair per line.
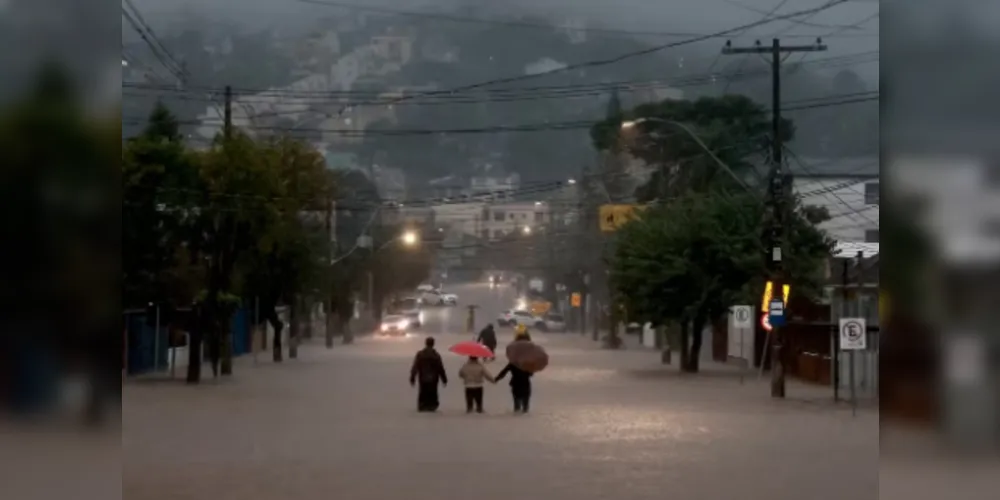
x,y
513,216
871,236
524,216
539,216
872,193
499,216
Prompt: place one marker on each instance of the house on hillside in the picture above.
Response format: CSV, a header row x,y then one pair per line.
x,y
848,188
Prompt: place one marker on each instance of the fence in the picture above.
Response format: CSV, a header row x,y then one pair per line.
x,y
155,343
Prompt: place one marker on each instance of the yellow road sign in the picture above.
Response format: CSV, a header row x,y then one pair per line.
x,y
769,293
616,216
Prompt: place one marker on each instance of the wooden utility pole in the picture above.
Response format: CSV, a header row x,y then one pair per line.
x,y
777,195
227,124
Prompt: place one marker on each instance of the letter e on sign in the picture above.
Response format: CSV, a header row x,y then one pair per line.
x,y
853,334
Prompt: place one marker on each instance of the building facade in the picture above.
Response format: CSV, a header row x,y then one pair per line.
x,y
848,189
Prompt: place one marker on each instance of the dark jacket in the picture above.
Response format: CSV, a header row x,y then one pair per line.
x,y
518,377
428,367
488,337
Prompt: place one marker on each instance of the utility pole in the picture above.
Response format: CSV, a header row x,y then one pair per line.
x,y
227,124
777,195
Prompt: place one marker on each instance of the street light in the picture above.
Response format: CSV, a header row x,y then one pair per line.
x,y
527,230
410,238
631,124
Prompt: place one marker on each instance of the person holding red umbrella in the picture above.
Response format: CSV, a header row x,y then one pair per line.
x,y
473,373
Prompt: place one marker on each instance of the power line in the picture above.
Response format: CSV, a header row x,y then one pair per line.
x,y
612,60
588,88
814,103
148,36
509,22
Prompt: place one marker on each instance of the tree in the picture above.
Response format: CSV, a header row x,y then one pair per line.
x,y
157,174
734,128
236,200
288,260
688,260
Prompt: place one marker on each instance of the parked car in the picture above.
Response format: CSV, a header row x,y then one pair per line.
x,y
506,318
554,323
450,299
520,317
395,325
438,298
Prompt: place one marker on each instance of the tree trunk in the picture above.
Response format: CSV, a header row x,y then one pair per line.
x,y
683,347
272,317
225,338
345,329
331,322
194,355
697,336
293,328
307,326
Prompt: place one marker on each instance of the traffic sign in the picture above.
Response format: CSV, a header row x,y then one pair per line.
x,y
765,322
742,317
853,334
576,300
776,313
614,217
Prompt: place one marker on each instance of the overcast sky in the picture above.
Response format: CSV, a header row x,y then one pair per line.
x,y
685,16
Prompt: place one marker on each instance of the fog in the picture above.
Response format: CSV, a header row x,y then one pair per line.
x,y
839,24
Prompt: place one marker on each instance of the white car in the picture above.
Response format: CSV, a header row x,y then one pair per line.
x,y
409,308
518,317
426,288
438,298
505,318
395,325
554,323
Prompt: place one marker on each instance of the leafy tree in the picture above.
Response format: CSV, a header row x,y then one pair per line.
x,y
236,200
157,175
289,254
688,260
734,128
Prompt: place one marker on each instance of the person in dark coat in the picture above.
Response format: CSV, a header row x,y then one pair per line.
x,y
520,382
488,337
428,370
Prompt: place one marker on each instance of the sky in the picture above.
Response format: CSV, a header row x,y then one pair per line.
x,y
642,15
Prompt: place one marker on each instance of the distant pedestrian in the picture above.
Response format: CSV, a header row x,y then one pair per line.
x,y
488,337
474,374
428,370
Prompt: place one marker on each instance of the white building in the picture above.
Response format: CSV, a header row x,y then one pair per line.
x,y
500,220
848,189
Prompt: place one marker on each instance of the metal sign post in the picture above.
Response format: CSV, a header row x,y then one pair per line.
x,y
853,337
742,322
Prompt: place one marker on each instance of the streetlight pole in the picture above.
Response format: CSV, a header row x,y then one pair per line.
x,y
687,130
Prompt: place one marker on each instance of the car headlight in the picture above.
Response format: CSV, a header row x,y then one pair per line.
x,y
522,304
403,324
385,327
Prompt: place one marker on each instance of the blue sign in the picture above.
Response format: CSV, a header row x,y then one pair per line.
x,y
776,313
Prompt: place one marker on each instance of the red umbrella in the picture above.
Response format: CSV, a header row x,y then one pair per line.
x,y
472,350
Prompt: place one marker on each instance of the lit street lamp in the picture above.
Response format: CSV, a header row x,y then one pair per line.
x,y
527,230
410,238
